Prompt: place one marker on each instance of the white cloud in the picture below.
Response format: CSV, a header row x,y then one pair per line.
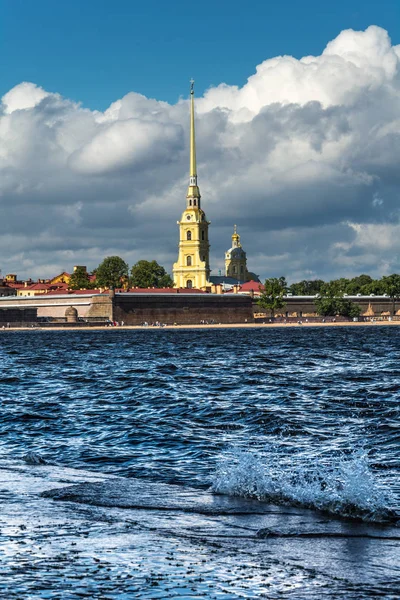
x,y
300,157
25,95
131,144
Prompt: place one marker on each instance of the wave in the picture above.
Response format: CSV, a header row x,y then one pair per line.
x,y
346,487
31,458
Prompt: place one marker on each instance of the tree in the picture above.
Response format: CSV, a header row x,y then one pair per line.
x,y
146,274
336,287
358,284
272,296
391,287
306,287
374,287
331,302
79,279
328,306
111,272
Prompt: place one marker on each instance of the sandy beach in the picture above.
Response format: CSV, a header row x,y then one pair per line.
x,y
211,326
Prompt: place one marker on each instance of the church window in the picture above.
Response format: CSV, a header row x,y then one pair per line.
x,y
189,283
194,202
189,261
202,236
241,269
234,269
190,203
189,235
204,259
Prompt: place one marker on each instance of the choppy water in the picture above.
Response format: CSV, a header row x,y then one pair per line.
x,y
142,431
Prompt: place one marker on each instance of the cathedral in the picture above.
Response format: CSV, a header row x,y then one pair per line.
x,y
235,259
192,269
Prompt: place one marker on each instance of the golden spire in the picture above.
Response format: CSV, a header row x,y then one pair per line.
x,y
193,190
193,167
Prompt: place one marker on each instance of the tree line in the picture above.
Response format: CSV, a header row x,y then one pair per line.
x,y
114,272
330,296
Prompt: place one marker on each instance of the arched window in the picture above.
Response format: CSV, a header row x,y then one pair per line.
x,y
189,283
234,268
189,261
190,203
241,269
195,202
189,235
202,236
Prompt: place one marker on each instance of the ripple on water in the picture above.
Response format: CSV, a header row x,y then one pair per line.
x,y
131,402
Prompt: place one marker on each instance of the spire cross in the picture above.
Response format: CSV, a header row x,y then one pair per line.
x,y
234,229
192,86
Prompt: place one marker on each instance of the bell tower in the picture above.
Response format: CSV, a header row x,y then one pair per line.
x,y
192,269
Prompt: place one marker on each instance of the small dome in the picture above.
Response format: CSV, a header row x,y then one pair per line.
x,y
71,314
237,253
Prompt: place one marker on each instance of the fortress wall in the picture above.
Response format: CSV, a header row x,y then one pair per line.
x,y
183,309
17,317
101,307
50,306
302,306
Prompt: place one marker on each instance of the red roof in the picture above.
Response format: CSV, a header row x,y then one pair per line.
x,y
63,292
163,291
38,286
14,286
251,286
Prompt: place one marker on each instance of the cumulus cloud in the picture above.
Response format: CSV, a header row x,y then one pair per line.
x,y
303,157
129,144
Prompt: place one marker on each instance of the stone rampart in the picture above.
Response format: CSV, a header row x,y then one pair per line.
x,y
17,317
101,307
49,305
183,309
303,306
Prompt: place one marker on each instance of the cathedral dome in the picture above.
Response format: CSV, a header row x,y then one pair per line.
x,y
237,252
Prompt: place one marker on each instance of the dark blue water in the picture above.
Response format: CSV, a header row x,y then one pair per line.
x,y
300,417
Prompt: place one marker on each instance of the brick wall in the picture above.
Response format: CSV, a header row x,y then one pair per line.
x,y
184,309
17,317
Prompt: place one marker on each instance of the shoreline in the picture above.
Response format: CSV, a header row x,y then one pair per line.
x,y
209,326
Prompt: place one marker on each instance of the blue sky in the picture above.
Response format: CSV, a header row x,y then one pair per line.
x,y
95,51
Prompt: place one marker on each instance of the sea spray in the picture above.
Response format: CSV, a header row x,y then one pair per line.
x,y
345,486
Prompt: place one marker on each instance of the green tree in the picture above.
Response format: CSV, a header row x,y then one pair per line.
x,y
80,279
336,287
307,287
331,307
331,302
111,272
375,287
391,287
272,297
358,284
147,274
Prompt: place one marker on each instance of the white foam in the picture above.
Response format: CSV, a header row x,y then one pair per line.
x,y
346,486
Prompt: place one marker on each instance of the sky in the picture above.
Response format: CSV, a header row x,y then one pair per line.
x,y
298,133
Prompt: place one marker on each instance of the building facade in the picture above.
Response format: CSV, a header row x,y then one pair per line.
x,y
192,269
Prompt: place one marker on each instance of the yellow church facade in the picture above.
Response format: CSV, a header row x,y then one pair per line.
x,y
192,269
